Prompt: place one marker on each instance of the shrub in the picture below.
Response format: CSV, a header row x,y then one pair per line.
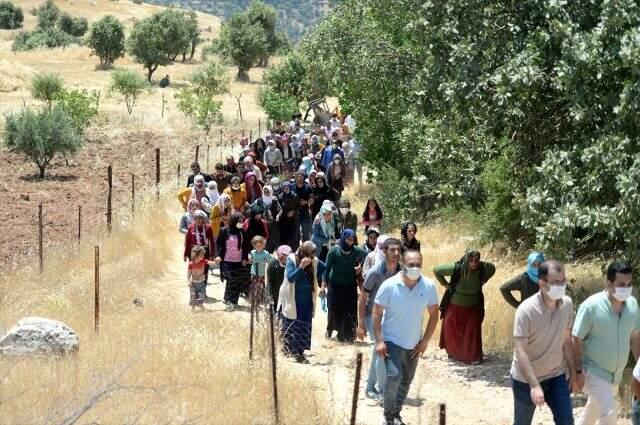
x,y
210,79
80,106
72,26
146,44
128,85
277,106
11,16
47,14
201,108
39,136
46,87
106,40
48,38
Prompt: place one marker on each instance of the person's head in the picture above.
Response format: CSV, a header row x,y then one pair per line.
x,y
224,201
258,242
619,280
248,162
230,160
267,191
347,239
286,188
326,212
193,205
219,169
236,221
235,183
471,260
372,236
392,248
552,280
197,253
199,217
282,253
337,159
372,203
306,250
275,183
198,181
195,168
409,231
212,185
344,206
533,263
271,145
412,265
320,181
250,179
334,116
256,212
299,179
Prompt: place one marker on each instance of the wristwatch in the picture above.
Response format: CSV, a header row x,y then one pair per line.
x,y
579,371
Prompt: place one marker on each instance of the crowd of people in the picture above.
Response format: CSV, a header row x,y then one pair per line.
x,y
277,226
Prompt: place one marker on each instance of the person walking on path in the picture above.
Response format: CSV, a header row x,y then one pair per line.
x,y
408,233
606,326
237,194
259,258
347,217
343,265
197,192
197,171
275,274
372,216
372,281
196,276
462,306
324,231
288,223
526,283
304,194
397,322
187,218
233,258
272,212
297,300
221,177
371,240
220,213
199,233
542,340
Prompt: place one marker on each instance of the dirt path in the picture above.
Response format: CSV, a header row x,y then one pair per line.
x,y
473,394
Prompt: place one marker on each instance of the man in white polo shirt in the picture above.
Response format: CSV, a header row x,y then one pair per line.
x,y
397,322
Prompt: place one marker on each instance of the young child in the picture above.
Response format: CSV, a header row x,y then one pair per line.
x,y
259,259
196,275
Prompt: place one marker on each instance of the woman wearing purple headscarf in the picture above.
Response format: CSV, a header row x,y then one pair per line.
x,y
343,265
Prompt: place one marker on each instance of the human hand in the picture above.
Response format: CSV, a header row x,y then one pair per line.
x,y
381,349
361,332
419,349
537,395
218,260
304,263
358,269
576,382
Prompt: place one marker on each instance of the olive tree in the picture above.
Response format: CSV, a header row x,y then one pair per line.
x,y
128,86
106,40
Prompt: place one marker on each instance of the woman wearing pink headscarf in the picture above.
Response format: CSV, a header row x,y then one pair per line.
x,y
252,187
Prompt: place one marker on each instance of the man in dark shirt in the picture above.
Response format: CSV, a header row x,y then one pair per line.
x,y
221,177
303,190
230,166
195,170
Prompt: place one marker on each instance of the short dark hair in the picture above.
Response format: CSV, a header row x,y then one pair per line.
x,y
195,164
618,267
390,241
547,266
219,166
409,252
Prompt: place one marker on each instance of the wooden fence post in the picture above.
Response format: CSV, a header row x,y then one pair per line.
x,y
197,152
250,136
79,223
274,376
178,176
208,169
443,414
158,173
356,389
40,238
259,127
133,194
251,325
109,195
96,304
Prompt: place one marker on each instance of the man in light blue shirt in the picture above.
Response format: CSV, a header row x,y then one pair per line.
x,y
397,322
606,326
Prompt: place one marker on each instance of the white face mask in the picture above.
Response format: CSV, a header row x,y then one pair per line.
x,y
556,292
239,226
344,211
413,273
621,294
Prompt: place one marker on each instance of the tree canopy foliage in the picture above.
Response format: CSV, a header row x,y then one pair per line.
x,y
54,29
525,114
106,40
11,16
242,43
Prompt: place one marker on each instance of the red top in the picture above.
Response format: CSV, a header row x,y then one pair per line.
x,y
191,239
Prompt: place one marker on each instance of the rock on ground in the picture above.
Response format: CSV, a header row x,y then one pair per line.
x,y
39,336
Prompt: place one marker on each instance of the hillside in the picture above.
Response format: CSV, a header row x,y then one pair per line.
x,y
296,16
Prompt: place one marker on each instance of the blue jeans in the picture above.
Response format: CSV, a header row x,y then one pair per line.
x,y
635,411
377,371
556,396
305,227
401,368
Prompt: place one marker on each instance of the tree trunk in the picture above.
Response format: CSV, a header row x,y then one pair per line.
x,y
193,50
243,74
150,73
184,56
41,168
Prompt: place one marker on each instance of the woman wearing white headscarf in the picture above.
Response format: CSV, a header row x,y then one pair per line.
x,y
272,212
376,256
212,197
220,213
188,217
